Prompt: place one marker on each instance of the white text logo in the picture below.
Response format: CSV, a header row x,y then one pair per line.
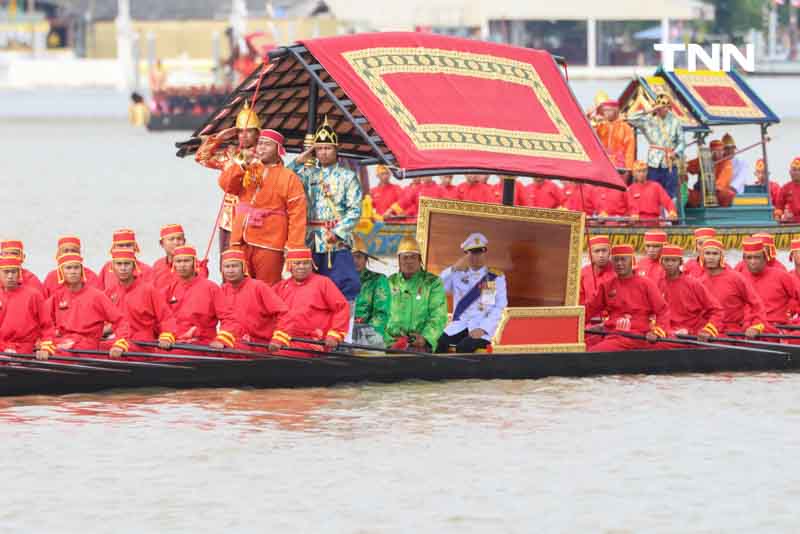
x,y
719,59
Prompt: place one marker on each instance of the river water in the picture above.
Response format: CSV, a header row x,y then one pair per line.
x,y
614,454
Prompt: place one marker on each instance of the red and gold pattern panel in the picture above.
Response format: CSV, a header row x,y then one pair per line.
x,y
660,86
440,102
719,94
551,329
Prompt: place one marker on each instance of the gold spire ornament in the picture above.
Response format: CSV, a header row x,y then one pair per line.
x,y
326,135
247,118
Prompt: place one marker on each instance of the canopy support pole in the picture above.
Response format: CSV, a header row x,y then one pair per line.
x,y
509,185
766,163
313,97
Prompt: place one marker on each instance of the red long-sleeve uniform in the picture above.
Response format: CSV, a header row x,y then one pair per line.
x,y
519,193
778,292
591,282
21,322
609,202
741,267
789,201
742,308
633,304
576,200
652,269
449,192
107,279
75,319
409,203
477,192
51,281
253,309
317,309
544,195
31,280
142,307
692,308
692,267
383,196
161,275
195,307
647,199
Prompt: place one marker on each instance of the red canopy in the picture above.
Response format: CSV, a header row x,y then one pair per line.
x,y
448,103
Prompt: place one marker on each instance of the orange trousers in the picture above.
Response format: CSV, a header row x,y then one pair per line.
x,y
264,264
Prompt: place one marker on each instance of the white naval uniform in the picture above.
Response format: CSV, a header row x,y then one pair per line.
x,y
741,173
484,312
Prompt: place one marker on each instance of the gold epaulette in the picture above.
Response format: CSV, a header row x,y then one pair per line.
x,y
496,272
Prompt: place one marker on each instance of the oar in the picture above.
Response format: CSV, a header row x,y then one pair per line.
x,y
109,362
787,326
180,357
739,342
387,351
723,345
765,336
207,349
680,340
21,369
316,353
53,365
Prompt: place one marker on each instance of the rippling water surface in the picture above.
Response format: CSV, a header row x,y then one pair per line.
x,y
693,453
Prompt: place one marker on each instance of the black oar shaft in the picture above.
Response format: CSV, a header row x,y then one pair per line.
x,y
764,335
178,357
388,351
788,326
723,343
682,339
54,365
109,362
214,350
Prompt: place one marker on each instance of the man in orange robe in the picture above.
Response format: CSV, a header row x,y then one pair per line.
x,y
650,264
742,308
76,314
616,135
723,175
214,155
142,306
16,249
776,287
692,309
599,269
253,307
544,194
124,238
271,213
171,236
787,208
21,322
385,194
692,267
68,244
317,309
195,306
631,304
647,198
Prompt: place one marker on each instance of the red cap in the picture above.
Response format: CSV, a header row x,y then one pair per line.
x,y
276,137
716,144
123,254
794,247
752,244
610,103
705,233
795,165
299,254
639,165
655,237
11,244
235,254
599,241
671,251
171,229
622,250
185,251
769,244
69,240
68,259
713,243
8,263
124,236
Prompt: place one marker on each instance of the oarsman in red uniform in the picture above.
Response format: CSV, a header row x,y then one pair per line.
x,y
794,256
599,269
787,208
693,310
195,305
519,192
631,303
646,198
317,309
409,203
385,193
760,174
408,196
770,250
21,324
607,202
68,244
580,197
253,307
544,194
76,314
142,306
270,216
15,249
124,238
475,190
449,191
692,267
650,264
742,308
170,238
776,288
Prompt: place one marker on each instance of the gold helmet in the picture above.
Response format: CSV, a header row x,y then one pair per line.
x,y
247,118
601,97
408,244
359,245
326,135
